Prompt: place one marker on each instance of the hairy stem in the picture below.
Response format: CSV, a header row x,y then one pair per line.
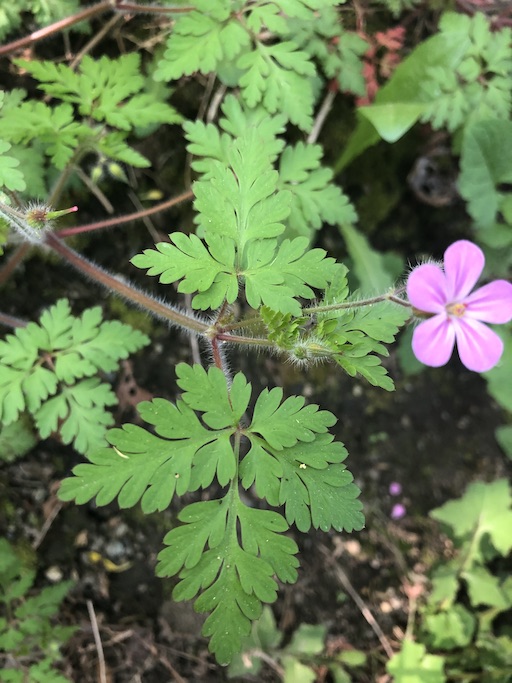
x,y
311,310
135,296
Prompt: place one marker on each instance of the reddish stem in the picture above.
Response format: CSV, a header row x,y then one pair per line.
x,y
119,220
57,26
16,258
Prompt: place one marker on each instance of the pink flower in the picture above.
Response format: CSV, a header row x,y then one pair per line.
x,y
458,316
398,511
395,488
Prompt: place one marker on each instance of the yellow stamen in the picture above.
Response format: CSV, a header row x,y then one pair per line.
x,y
456,309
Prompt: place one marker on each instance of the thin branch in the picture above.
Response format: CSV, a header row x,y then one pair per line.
x,y
119,220
364,609
102,671
57,26
15,259
11,321
321,116
97,37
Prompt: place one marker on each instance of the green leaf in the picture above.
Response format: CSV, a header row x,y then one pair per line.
x,y
211,25
208,393
392,120
314,198
210,272
406,85
486,161
485,589
275,275
142,466
483,510
308,639
296,672
369,265
78,414
234,577
283,424
54,127
413,665
10,176
309,479
103,89
451,629
239,198
277,76
264,636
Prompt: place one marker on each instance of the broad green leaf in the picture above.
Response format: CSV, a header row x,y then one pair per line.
x,y
451,629
485,589
392,120
78,414
208,271
279,76
483,509
413,665
309,479
486,163
369,266
238,199
210,25
405,87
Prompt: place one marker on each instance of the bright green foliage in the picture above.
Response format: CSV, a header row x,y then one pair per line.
x,y
315,199
479,524
240,213
27,631
306,193
10,176
457,77
44,11
339,52
413,665
235,42
484,511
297,658
49,369
479,86
108,90
104,91
486,163
224,551
16,439
348,336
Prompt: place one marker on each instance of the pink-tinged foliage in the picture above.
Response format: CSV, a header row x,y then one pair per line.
x,y
457,314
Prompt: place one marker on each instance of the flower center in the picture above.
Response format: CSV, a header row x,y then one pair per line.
x,y
456,309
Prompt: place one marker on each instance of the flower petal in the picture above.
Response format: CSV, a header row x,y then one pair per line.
x,y
463,265
491,303
479,347
433,340
426,288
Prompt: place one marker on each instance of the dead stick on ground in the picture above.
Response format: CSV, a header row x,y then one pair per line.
x,y
365,611
97,640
